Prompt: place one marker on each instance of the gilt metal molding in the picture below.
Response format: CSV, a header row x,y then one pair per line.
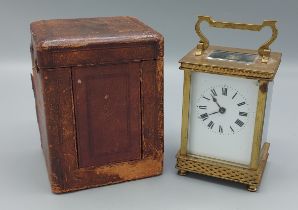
x,y
250,177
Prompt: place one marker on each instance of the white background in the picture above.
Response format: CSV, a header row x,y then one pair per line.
x,y
23,177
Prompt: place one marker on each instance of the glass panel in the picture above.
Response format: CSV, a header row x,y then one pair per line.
x,y
232,56
222,113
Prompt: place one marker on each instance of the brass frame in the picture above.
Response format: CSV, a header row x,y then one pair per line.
x,y
185,112
251,174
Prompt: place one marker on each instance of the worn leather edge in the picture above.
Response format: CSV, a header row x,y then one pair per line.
x,y
158,38
38,87
156,172
55,172
39,96
160,103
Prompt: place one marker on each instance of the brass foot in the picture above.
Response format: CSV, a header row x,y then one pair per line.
x,y
182,172
252,188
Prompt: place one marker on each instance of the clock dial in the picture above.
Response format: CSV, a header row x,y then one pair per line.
x,y
222,114
223,109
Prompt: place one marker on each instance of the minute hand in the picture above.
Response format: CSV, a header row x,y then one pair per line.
x,y
215,100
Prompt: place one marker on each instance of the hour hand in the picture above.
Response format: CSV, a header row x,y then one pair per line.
x,y
206,115
213,113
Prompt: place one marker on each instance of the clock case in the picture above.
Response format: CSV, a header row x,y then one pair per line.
x,y
263,69
98,88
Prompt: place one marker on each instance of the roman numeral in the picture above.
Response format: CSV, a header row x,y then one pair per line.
x,y
224,91
204,116
232,129
234,95
240,104
213,92
206,98
202,107
243,114
239,123
211,124
220,129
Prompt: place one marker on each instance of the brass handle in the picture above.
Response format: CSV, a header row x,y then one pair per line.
x,y
264,50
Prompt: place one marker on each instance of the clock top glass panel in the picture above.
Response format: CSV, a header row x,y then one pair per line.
x,y
222,116
233,56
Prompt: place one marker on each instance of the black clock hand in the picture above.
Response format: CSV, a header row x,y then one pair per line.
x,y
206,115
215,100
213,113
221,109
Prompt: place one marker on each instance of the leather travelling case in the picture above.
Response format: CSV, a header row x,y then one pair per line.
x,y
98,88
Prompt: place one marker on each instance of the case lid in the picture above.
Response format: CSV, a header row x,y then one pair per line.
x,y
88,41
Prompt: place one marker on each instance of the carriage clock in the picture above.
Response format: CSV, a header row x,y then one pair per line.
x,y
226,103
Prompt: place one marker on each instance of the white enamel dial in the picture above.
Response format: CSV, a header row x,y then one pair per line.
x,y
222,113
223,109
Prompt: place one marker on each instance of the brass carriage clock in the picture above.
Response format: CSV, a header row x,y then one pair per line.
x,y
226,102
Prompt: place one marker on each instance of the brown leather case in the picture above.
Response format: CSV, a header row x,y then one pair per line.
x,y
98,87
